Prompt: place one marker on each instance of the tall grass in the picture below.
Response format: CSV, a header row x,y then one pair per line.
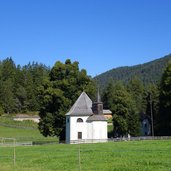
x,y
115,156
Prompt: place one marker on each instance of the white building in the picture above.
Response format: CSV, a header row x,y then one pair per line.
x,y
85,121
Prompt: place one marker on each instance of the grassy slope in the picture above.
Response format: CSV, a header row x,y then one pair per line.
x,y
26,130
116,156
20,133
8,120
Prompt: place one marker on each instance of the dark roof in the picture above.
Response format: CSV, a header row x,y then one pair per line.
x,y
96,118
82,106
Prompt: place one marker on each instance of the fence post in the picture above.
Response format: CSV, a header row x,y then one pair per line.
x,y
14,152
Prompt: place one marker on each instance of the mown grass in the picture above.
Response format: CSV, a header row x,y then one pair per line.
x,y
22,134
22,131
114,156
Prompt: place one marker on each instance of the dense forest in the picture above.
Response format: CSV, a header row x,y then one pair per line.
x,y
132,97
150,72
19,86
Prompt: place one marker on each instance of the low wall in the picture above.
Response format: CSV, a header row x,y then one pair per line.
x,y
119,139
34,119
88,141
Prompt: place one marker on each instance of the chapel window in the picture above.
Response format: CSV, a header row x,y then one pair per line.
x,y
79,120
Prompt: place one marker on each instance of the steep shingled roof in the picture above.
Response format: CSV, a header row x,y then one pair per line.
x,y
83,106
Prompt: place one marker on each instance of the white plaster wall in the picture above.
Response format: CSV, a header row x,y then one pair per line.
x,y
90,130
76,127
96,130
99,130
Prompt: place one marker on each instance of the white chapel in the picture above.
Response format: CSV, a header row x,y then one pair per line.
x,y
85,121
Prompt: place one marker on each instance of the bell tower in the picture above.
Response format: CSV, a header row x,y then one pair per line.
x,y
97,106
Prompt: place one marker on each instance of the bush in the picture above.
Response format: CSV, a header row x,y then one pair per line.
x,y
1,111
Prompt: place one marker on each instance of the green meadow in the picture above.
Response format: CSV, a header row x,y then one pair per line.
x,y
22,131
113,156
147,155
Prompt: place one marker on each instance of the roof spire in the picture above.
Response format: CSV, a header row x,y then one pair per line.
x,y
97,106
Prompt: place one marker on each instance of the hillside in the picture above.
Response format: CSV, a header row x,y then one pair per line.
x,y
25,131
149,72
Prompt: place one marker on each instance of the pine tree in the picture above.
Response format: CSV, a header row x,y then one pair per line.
x,y
122,105
152,102
136,89
164,116
7,84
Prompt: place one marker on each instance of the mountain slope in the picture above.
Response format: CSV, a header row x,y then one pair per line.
x,y
149,72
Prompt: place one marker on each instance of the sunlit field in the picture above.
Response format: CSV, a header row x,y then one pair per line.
x,y
129,155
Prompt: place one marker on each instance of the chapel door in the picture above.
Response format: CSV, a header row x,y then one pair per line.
x,y
79,135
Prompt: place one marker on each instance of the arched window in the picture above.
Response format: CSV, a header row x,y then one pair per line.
x,y
79,120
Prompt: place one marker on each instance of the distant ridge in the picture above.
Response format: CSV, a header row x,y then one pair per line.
x,y
149,72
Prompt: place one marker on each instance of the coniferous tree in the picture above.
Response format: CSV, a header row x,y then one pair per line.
x,y
8,70
7,96
136,89
122,105
164,116
107,96
19,86
7,84
152,102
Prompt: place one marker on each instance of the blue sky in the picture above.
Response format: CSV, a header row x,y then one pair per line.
x,y
100,34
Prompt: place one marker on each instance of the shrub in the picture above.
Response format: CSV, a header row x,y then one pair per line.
x,y
1,111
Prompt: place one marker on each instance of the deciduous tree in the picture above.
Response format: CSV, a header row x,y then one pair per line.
x,y
65,84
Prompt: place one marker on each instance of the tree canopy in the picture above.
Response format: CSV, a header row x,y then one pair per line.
x,y
59,92
122,105
149,72
36,87
164,115
19,86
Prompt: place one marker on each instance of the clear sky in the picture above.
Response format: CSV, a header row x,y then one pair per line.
x,y
100,34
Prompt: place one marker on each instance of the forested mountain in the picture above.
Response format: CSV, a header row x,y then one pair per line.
x,y
150,72
52,91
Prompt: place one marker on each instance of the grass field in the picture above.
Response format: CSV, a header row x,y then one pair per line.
x,y
8,120
23,134
113,156
22,131
154,155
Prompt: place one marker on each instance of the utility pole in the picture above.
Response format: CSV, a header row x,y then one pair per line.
x,y
151,111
